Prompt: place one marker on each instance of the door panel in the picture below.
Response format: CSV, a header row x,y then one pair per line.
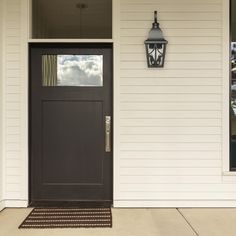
x,y
69,135
69,162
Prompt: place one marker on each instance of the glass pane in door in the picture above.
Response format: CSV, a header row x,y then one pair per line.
x,y
72,70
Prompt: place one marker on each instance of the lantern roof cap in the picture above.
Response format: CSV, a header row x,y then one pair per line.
x,y
155,33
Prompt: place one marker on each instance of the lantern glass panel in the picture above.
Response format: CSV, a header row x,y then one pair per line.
x,y
155,54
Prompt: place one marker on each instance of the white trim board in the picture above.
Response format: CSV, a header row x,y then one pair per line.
x,y
225,87
15,203
24,104
116,96
3,101
2,205
70,40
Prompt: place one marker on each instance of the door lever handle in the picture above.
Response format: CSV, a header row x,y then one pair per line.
x,y
108,134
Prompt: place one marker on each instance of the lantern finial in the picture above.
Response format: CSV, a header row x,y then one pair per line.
x,y
155,16
155,24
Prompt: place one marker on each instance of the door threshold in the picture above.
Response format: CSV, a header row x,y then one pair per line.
x,y
71,204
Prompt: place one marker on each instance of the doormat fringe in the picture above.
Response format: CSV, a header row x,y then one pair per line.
x,y
40,218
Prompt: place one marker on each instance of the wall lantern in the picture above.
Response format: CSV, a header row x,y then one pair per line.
x,y
155,45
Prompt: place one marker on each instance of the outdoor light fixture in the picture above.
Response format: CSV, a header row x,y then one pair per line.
x,y
155,46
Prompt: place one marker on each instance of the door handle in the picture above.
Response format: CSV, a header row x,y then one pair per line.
x,y
107,133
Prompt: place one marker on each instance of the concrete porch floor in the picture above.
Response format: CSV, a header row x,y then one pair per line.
x,y
137,222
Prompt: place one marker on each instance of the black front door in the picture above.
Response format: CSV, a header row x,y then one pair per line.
x,y
70,123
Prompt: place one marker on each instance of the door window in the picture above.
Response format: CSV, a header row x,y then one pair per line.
x,y
72,70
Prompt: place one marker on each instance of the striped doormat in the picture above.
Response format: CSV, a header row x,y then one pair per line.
x,y
68,218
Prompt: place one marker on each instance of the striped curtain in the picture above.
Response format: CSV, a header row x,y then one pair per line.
x,y
49,65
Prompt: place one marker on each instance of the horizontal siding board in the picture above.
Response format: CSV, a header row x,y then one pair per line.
x,y
13,32
156,138
10,2
194,57
13,155
167,2
13,81
13,24
13,49
171,122
13,106
168,130
146,147
128,40
174,7
168,33
170,180
171,65
13,130
15,8
13,16
201,81
174,48
13,56
169,174
13,73
178,187
177,97
171,89
13,122
169,163
13,171
13,138
147,106
172,24
13,64
10,90
13,180
13,97
170,114
13,188
172,16
13,146
11,163
169,155
170,73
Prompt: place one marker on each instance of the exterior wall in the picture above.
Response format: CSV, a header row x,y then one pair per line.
x,y
171,119
170,128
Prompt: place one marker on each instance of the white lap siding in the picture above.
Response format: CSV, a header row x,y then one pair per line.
x,y
15,156
171,118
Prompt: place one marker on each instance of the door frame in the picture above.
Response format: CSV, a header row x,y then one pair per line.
x,y
70,203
